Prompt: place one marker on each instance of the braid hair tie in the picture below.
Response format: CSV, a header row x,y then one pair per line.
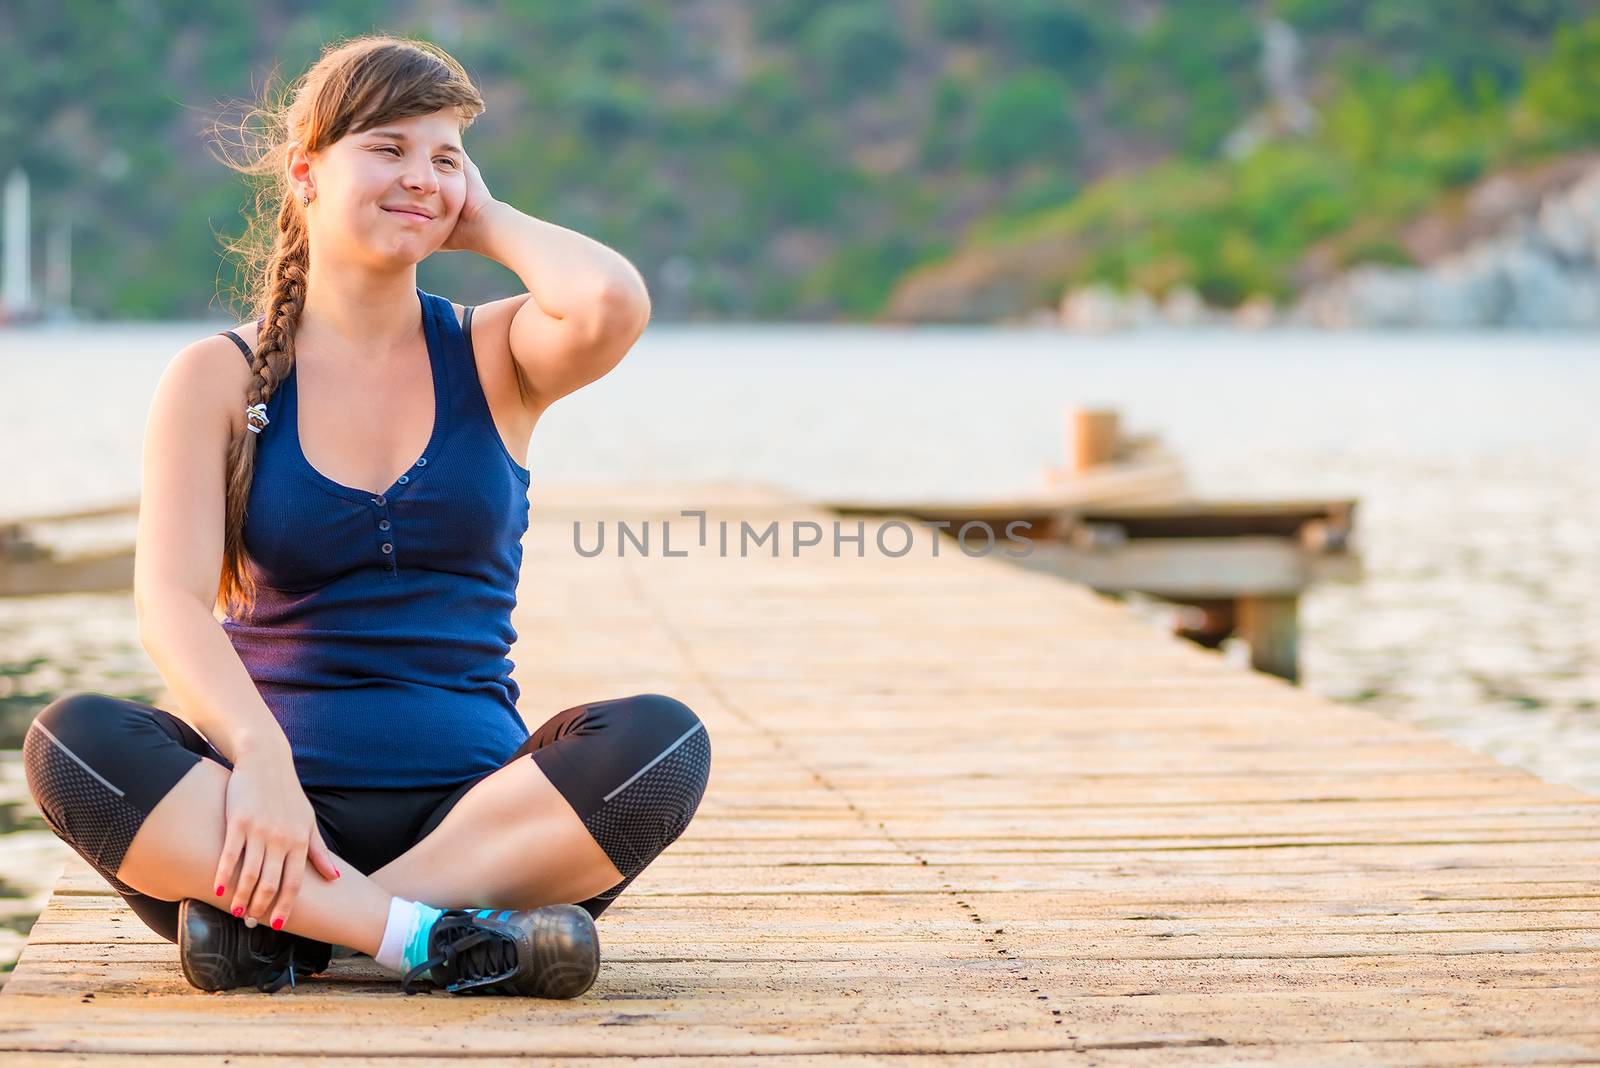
x,y
254,412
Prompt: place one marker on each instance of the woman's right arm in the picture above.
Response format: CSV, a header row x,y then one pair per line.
x,y
178,555
177,568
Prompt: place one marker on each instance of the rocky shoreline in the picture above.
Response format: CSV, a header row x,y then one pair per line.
x,y
1514,251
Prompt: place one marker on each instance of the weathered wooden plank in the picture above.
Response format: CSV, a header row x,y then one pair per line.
x,y
1528,1052
148,1023
1400,974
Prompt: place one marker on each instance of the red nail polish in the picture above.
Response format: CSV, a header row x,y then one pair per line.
x,y
239,911
220,889
337,873
277,924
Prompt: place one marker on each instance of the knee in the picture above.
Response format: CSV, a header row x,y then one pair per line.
x,y
70,745
75,721
690,754
66,729
663,754
75,713
670,717
664,710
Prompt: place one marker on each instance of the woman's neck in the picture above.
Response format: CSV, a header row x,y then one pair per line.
x,y
358,312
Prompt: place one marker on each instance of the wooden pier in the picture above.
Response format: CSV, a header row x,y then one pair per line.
x,y
1119,517
958,810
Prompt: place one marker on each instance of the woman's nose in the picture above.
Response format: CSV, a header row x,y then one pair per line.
x,y
421,179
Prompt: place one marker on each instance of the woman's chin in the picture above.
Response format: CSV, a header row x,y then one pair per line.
x,y
405,253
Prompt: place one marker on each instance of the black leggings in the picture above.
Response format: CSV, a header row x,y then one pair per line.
x,y
634,769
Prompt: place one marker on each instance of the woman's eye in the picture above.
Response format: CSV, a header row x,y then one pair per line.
x,y
397,152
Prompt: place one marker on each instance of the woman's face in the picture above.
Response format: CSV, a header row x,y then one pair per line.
x,y
364,182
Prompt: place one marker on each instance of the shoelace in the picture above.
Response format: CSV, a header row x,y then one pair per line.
x,y
476,959
282,968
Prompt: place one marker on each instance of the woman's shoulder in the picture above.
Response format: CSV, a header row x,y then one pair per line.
x,y
246,332
217,348
212,373
222,359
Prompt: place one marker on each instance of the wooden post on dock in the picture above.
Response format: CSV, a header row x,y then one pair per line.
x,y
1271,627
1092,437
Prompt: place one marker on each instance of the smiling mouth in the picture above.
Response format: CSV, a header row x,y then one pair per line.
x,y
408,214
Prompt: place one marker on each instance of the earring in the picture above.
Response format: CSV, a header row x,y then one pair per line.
x,y
305,198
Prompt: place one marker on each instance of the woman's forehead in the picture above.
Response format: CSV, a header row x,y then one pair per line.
x,y
446,122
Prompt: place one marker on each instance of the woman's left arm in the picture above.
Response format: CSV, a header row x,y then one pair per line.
x,y
586,303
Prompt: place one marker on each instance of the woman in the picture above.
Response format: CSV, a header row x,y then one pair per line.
x,y
350,766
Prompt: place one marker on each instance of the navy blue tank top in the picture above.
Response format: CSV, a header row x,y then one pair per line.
x,y
382,625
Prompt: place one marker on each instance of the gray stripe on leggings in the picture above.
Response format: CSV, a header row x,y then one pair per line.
x,y
652,763
62,746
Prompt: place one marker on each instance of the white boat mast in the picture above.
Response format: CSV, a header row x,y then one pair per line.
x,y
15,299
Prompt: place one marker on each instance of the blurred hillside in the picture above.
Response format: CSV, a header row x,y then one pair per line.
x,y
947,159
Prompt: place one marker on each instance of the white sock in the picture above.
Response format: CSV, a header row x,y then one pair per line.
x,y
405,935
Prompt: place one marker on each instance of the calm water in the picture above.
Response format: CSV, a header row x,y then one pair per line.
x,y
1476,458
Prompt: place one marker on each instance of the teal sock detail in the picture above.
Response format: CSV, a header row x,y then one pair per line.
x,y
417,944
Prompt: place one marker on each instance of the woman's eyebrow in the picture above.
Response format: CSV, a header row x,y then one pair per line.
x,y
400,136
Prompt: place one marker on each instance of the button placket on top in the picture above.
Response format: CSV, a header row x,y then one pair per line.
x,y
386,524
385,547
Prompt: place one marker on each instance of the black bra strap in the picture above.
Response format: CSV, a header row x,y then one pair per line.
x,y
466,326
237,340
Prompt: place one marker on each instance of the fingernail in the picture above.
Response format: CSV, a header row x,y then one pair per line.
x,y
277,923
220,889
239,911
250,921
337,873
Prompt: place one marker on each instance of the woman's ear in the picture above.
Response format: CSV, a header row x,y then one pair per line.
x,y
297,166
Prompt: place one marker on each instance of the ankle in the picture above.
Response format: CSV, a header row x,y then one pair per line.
x,y
405,935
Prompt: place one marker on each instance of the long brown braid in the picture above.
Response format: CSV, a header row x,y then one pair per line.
x,y
358,83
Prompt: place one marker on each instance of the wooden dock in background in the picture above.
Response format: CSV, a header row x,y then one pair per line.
x,y
1119,517
959,810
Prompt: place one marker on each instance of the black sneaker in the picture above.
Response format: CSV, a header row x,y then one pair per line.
x,y
549,952
218,951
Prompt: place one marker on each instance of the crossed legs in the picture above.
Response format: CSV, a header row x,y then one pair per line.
x,y
512,842
591,798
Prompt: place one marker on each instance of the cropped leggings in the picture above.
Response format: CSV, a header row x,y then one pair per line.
x,y
634,769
